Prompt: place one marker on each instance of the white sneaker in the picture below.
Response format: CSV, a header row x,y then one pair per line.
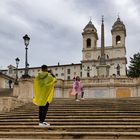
x,y
82,98
77,100
44,124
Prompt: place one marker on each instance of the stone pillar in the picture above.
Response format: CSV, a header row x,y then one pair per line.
x,y
112,90
58,91
26,90
16,90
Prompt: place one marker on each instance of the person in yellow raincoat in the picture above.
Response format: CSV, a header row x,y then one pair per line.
x,y
43,93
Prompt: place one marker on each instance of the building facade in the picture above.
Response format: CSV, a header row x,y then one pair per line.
x,y
114,56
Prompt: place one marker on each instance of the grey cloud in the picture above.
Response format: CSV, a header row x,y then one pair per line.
x,y
55,29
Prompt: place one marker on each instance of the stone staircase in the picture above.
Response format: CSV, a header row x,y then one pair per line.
x,y
87,119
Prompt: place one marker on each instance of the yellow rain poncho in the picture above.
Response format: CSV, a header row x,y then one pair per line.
x,y
43,89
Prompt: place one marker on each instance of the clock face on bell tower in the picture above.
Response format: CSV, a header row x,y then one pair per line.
x,y
88,55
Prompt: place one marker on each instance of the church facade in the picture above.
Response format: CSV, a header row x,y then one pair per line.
x,y
114,56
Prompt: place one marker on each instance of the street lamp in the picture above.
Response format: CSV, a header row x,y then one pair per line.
x,y
17,62
26,42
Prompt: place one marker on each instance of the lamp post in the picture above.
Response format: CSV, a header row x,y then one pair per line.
x,y
26,42
17,62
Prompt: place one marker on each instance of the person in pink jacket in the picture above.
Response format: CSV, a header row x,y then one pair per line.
x,y
78,88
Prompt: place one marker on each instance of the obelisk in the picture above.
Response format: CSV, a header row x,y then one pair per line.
x,y
102,68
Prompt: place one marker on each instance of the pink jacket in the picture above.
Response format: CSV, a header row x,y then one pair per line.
x,y
77,87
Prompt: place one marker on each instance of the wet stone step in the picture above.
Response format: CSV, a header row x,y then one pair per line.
x,y
71,135
88,119
70,123
89,128
71,120
69,117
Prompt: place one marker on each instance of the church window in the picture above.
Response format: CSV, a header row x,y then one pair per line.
x,y
88,71
68,77
98,57
118,39
81,74
68,71
10,70
107,56
62,74
88,43
118,69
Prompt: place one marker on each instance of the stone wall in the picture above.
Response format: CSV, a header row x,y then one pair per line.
x,y
24,90
103,87
22,94
93,88
9,103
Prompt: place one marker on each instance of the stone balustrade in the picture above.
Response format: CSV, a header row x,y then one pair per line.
x,y
103,87
93,88
9,103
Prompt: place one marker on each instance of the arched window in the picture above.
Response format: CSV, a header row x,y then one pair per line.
x,y
118,39
88,43
107,56
88,75
88,71
118,69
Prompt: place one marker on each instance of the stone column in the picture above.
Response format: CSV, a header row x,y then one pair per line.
x,y
26,90
112,90
16,90
59,89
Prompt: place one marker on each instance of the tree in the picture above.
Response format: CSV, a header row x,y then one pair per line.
x,y
134,68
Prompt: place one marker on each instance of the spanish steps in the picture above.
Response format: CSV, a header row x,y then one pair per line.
x,y
86,119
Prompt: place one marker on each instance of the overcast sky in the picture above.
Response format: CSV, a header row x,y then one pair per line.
x,y
55,27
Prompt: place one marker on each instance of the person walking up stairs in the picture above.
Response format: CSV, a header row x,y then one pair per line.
x,y
43,93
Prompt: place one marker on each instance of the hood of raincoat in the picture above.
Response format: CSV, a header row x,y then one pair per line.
x,y
42,75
